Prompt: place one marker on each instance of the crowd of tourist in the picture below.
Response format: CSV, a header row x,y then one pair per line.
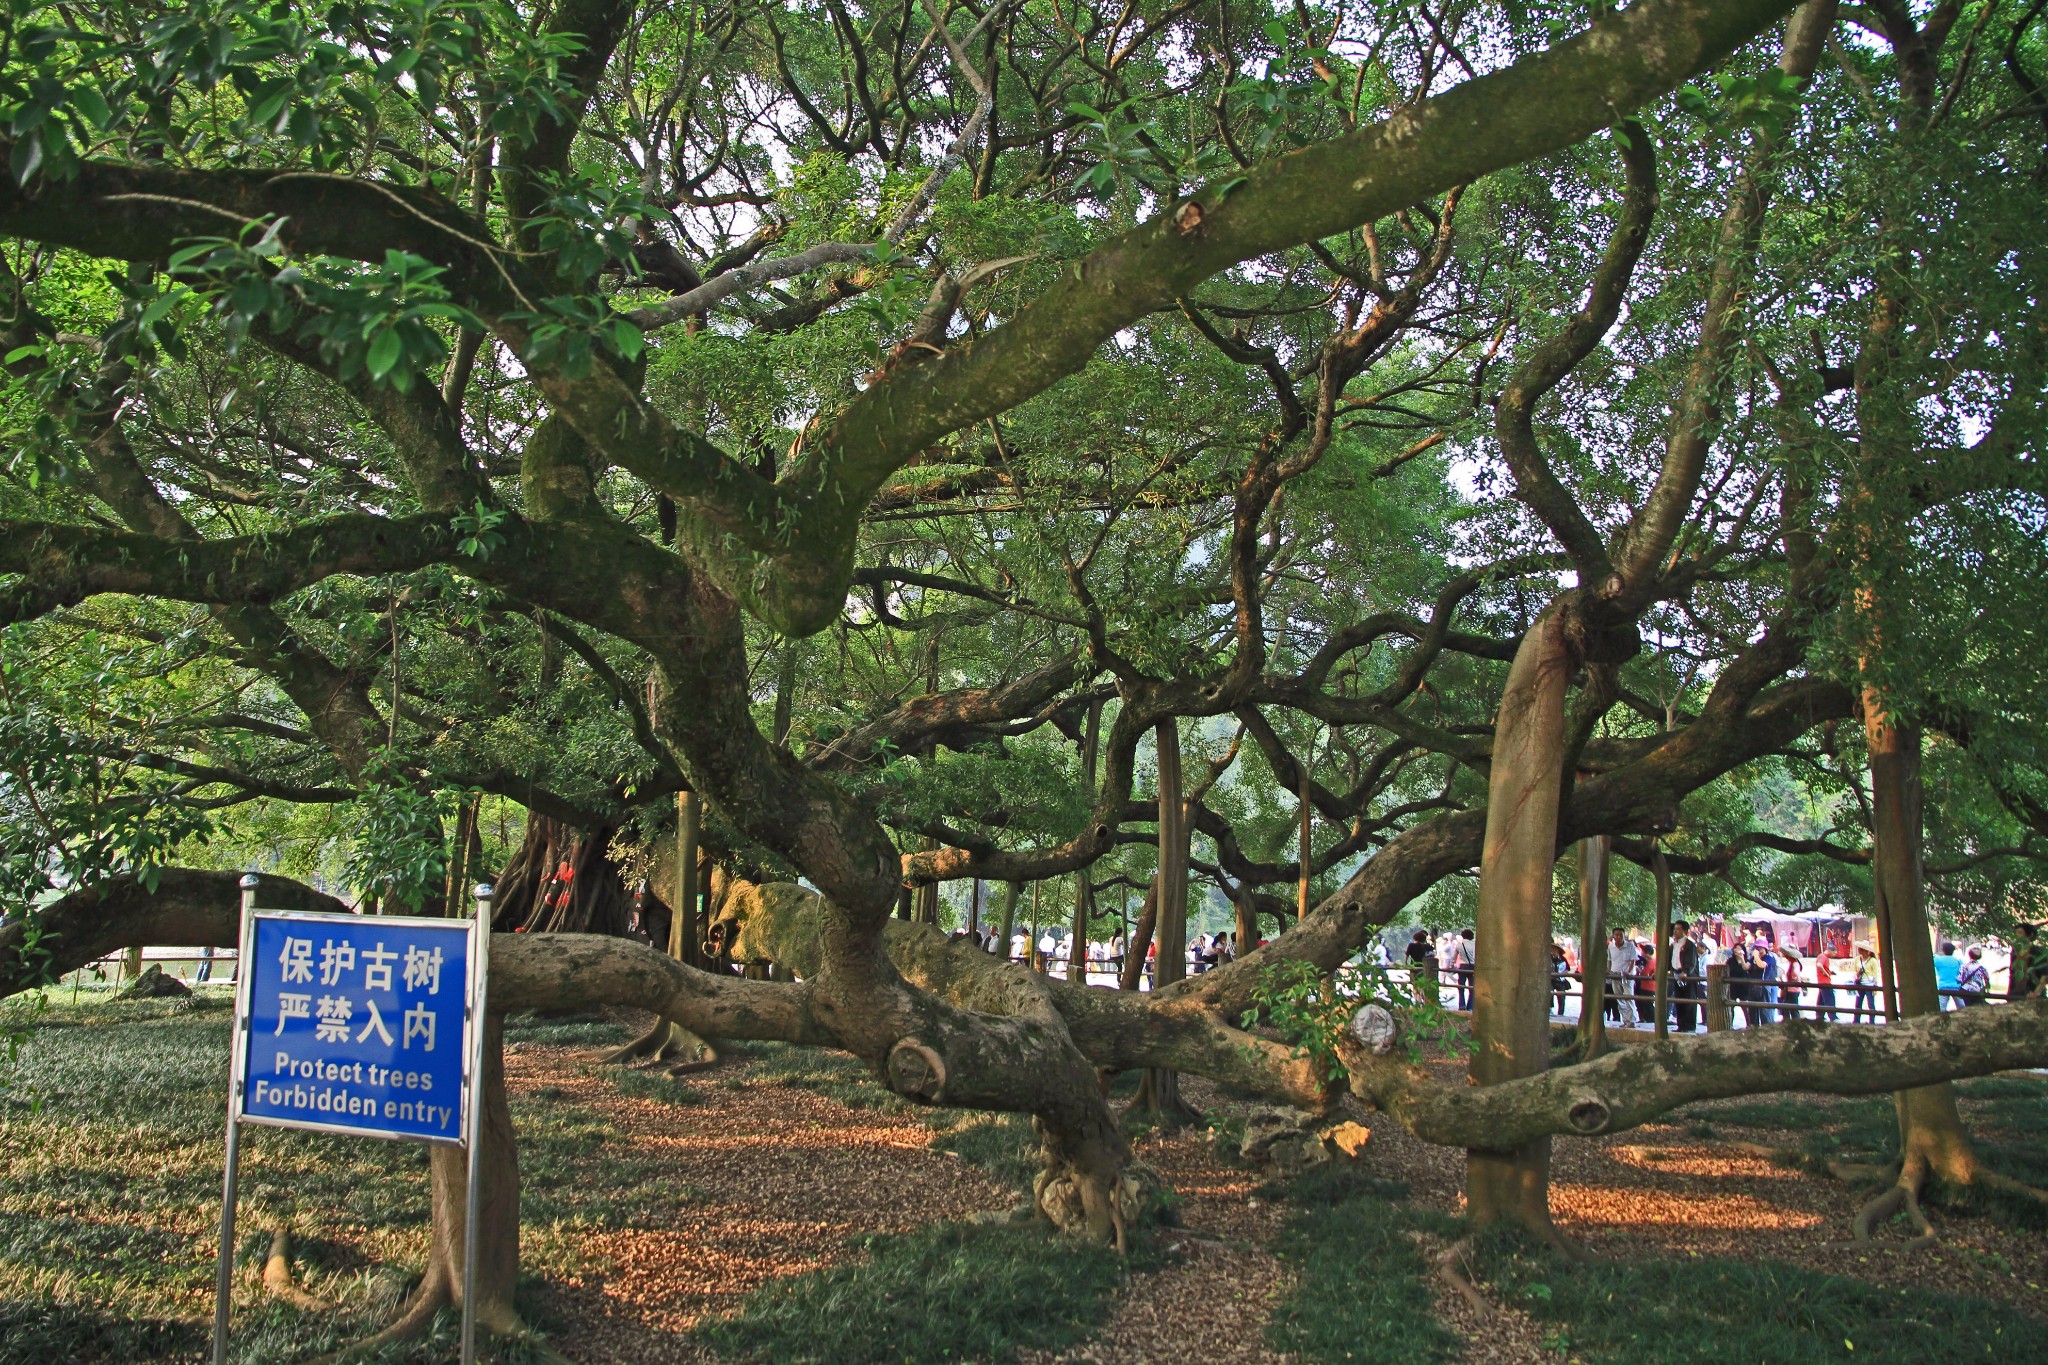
x,y
1104,958
1767,980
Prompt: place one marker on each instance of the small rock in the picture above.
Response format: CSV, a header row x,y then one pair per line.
x,y
1282,1141
154,985
1376,1029
1347,1139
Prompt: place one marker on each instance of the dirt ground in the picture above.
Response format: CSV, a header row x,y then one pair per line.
x,y
785,1177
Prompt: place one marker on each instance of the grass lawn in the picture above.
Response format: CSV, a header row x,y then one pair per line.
x,y
110,1165
1362,1291
2006,1116
1712,1312
110,1173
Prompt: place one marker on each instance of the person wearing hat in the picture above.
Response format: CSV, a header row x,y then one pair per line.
x,y
1866,984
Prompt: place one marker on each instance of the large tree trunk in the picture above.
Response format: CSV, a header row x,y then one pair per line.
x,y
1932,1140
1140,941
1246,902
497,1265
1511,981
1008,928
1159,1093
529,897
1593,870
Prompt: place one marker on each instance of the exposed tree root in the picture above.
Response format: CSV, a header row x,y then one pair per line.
x,y
434,1294
277,1273
666,1042
1902,1194
2018,1189
414,1322
1450,1268
1906,1186
1159,1101
705,1063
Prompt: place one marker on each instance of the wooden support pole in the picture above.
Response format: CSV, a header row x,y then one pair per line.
x,y
685,932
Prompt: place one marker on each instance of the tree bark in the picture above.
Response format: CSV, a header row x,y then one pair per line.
x,y
1932,1139
1008,928
1140,940
1511,980
497,1265
1594,856
1660,868
1084,888
1158,1094
598,902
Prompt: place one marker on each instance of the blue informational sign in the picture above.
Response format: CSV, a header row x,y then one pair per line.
x,y
357,1024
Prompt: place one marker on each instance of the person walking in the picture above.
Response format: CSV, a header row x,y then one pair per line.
x,y
1973,982
1768,990
1621,969
1461,959
1824,978
1866,985
1560,975
1793,991
1685,967
1947,969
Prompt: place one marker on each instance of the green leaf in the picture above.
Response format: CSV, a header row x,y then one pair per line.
x,y
88,101
28,157
383,353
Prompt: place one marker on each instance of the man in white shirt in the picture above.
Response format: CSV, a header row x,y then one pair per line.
x,y
1460,962
1621,970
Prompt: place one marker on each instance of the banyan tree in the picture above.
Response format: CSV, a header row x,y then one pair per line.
x,y
816,458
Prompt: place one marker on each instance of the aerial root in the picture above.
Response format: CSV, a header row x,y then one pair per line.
x,y
666,1042
706,1062
277,1272
2005,1184
1902,1194
1563,1245
429,1299
1450,1268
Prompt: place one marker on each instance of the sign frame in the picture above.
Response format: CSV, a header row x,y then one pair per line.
x,y
245,1040
476,980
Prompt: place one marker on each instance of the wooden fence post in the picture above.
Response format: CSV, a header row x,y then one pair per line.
x,y
1720,1015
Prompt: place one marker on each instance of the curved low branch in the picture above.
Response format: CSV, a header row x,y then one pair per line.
x,y
1115,1030
1638,1083
185,908
66,564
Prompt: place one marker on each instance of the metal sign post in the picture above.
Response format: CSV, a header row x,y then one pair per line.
x,y
224,1273
474,1130
364,1025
